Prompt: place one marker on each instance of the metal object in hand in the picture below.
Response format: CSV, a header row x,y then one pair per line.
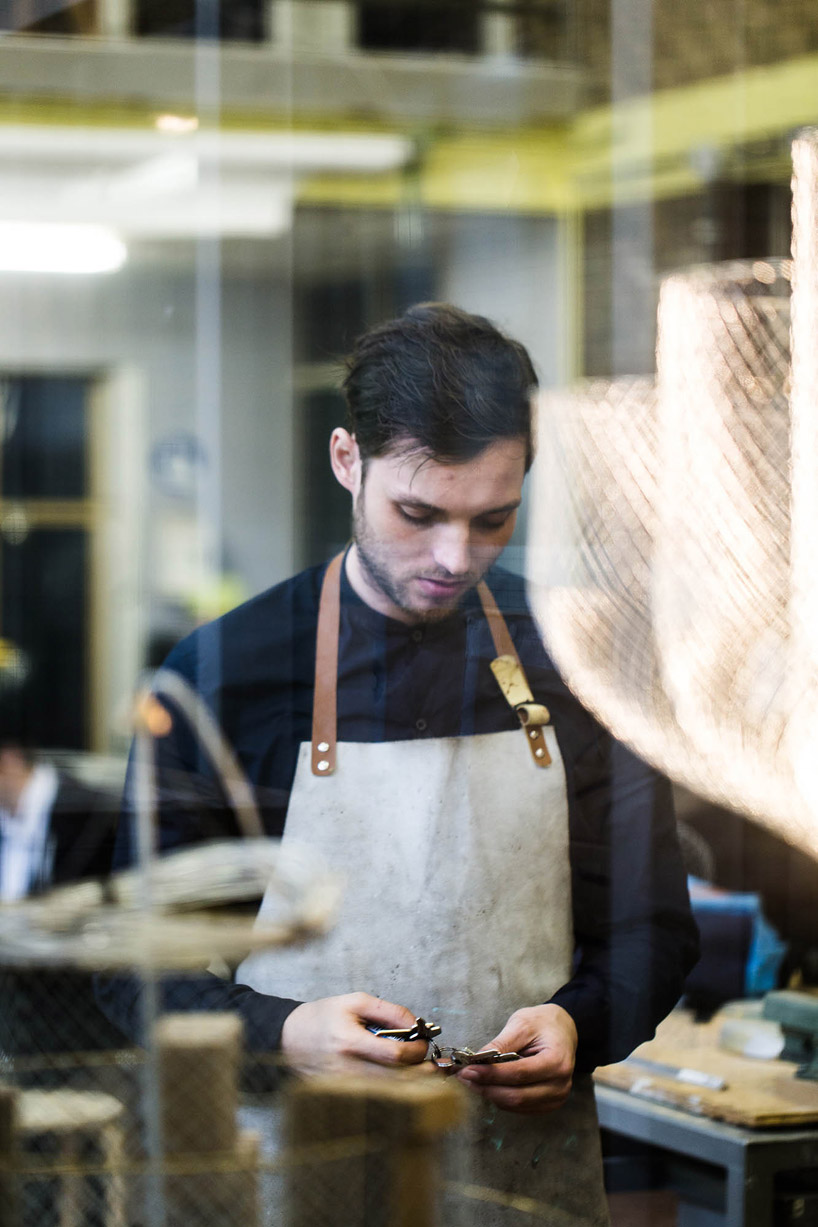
x,y
458,1058
420,1030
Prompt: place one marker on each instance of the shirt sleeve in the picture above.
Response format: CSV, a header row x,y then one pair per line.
x,y
634,933
120,997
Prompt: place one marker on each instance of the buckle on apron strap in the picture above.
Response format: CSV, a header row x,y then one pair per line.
x,y
532,716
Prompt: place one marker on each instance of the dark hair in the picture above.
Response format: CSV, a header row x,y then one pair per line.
x,y
439,380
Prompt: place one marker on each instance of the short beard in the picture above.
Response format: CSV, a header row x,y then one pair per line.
x,y
369,551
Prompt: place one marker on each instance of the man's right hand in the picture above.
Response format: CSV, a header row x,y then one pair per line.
x,y
336,1027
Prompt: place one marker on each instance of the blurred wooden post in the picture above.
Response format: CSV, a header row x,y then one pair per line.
x,y
362,1148
8,1147
212,1168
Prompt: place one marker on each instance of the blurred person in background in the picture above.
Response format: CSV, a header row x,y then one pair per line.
x,y
54,830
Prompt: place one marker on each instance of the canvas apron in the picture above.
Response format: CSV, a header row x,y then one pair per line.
x,y
457,905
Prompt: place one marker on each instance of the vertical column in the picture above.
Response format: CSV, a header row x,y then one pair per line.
x,y
209,424
313,25
633,301
115,18
498,32
570,323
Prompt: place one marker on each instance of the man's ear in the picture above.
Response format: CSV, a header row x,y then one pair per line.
x,y
345,459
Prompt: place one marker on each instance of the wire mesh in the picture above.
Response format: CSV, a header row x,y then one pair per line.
x,y
673,541
165,1135
177,1124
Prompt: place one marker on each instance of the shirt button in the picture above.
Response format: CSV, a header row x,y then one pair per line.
x,y
417,635
420,725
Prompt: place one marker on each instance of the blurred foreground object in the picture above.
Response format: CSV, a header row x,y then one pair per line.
x,y
77,1157
148,1134
211,1176
674,541
172,911
187,921
365,1147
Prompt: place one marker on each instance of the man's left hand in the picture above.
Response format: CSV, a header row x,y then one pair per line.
x,y
546,1039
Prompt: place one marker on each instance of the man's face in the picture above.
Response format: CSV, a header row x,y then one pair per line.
x,y
15,772
426,531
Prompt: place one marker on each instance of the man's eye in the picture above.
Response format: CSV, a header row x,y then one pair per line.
x,y
415,517
489,523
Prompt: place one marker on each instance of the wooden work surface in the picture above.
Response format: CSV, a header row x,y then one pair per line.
x,y
759,1094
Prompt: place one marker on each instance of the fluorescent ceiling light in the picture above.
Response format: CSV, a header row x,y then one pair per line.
x,y
45,247
242,205
178,125
301,152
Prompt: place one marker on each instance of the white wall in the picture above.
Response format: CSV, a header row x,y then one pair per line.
x,y
507,268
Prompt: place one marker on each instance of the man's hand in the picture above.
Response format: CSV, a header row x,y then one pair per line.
x,y
546,1038
336,1027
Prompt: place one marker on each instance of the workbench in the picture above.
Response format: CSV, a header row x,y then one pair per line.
x,y
762,1125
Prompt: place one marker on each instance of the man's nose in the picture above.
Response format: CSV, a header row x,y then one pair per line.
x,y
452,548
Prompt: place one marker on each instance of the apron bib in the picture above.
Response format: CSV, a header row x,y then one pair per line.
x,y
457,905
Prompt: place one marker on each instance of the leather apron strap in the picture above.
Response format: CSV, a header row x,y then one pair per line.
x,y
324,705
504,647
325,696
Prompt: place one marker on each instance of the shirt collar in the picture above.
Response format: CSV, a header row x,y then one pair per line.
x,y
36,800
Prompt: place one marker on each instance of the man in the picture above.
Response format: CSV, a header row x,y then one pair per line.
x,y
53,829
522,887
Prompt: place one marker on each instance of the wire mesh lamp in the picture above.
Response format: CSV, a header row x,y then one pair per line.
x,y
673,561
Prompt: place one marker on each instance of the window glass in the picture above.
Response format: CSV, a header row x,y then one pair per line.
x,y
204,205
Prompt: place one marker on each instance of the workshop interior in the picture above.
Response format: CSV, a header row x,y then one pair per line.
x,y
203,205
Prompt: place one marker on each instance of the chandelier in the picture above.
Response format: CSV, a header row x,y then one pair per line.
x,y
673,557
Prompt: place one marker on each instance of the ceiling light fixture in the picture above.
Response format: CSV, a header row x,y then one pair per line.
x,y
44,247
177,125
302,152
